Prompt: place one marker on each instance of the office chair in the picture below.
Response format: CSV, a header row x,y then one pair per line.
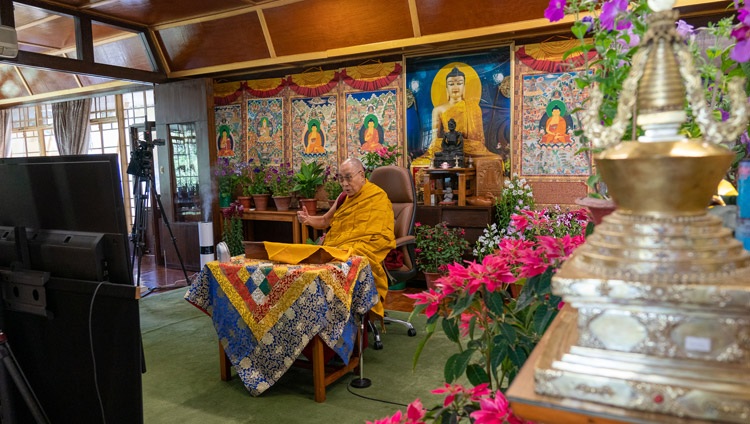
x,y
398,185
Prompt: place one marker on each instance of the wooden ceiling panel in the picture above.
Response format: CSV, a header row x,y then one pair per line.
x,y
217,42
129,52
43,81
87,81
11,84
438,16
154,12
319,25
55,34
24,15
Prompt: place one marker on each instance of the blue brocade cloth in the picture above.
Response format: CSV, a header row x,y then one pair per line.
x,y
265,313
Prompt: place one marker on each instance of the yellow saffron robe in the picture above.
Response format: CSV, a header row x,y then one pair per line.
x,y
364,224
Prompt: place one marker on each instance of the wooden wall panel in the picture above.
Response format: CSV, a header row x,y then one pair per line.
x,y
42,81
318,25
234,39
438,16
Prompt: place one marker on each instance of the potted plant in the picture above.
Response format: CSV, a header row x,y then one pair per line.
x,y
333,189
280,179
257,186
386,155
227,178
436,247
231,232
306,183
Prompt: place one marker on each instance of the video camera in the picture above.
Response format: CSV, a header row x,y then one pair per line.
x,y
142,151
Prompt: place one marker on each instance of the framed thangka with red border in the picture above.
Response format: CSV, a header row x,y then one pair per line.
x,y
371,121
265,135
229,141
314,130
549,145
473,89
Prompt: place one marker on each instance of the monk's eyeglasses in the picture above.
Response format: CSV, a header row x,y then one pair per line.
x,y
349,178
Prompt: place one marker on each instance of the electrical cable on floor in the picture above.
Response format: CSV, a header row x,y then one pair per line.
x,y
349,388
93,355
177,284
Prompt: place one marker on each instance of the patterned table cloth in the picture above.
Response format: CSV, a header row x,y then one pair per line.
x,y
265,313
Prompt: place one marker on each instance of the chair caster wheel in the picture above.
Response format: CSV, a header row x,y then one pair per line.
x,y
377,345
411,332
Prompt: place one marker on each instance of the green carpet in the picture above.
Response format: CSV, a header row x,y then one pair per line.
x,y
182,384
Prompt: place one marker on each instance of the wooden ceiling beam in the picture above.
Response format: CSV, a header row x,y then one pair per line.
x,y
62,64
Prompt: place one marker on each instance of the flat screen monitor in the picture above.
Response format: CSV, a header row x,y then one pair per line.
x,y
75,194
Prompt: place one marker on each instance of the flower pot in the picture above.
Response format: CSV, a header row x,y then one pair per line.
x,y
261,201
245,201
599,208
310,204
430,278
282,202
225,199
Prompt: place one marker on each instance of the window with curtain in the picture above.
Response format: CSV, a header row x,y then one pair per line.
x,y
31,131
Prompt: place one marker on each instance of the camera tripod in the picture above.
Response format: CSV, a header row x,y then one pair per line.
x,y
10,367
142,186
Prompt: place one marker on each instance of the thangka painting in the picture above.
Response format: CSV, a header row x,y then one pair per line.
x,y
229,142
473,89
265,135
314,130
548,142
371,121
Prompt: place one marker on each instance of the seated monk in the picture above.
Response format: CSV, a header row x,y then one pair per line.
x,y
363,222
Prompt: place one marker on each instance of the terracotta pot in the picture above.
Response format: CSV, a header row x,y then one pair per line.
x,y
282,202
245,201
310,204
599,208
261,201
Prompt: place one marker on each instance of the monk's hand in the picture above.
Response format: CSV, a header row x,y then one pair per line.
x,y
303,216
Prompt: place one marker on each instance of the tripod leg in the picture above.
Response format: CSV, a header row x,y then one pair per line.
x,y
10,367
141,190
171,235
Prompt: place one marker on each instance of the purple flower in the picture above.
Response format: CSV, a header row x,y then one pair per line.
x,y
745,139
684,29
555,11
610,10
589,21
631,41
743,15
741,50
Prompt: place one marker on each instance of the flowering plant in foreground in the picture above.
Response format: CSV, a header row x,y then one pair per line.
x,y
478,405
495,332
614,28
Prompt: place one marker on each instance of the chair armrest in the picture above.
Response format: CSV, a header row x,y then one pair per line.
x,y
405,240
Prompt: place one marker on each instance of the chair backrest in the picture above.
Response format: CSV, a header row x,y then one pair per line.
x,y
398,185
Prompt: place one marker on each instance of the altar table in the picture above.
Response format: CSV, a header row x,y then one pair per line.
x,y
265,313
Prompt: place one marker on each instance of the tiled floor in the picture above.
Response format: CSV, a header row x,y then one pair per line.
x,y
155,279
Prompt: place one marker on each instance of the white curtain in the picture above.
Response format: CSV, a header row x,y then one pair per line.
x,y
71,123
5,133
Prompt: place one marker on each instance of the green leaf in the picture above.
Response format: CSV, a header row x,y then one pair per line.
x,y
543,316
456,365
508,332
461,304
495,302
477,375
450,328
420,347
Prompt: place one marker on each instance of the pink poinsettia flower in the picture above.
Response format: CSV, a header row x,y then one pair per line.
x,y
452,390
394,419
493,410
555,11
415,412
431,298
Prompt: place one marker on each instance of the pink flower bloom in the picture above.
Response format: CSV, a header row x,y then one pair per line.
x,y
492,410
415,412
452,390
431,298
610,11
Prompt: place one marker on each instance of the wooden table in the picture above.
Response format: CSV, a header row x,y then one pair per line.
x,y
265,313
289,216
553,410
466,182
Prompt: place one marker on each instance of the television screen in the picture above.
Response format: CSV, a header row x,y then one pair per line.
x,y
74,194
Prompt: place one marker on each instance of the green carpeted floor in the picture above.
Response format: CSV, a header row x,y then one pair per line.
x,y
182,384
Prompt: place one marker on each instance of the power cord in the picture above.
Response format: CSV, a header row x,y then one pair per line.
x,y
349,388
93,355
